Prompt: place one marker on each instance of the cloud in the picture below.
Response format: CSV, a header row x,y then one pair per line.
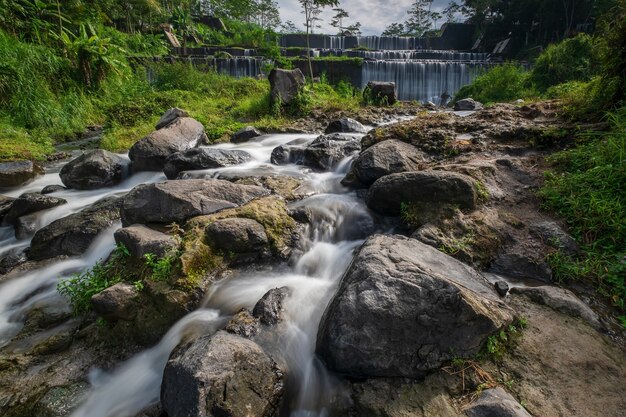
x,y
374,15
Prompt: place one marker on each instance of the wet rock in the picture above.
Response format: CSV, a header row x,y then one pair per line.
x,y
496,402
245,134
49,189
60,401
421,308
552,234
94,169
467,104
169,116
72,235
285,85
243,324
561,300
345,125
388,157
14,174
177,201
26,226
118,302
5,206
429,190
269,309
502,288
301,214
382,92
150,153
286,154
202,158
141,240
221,375
521,266
327,151
11,261
29,203
237,235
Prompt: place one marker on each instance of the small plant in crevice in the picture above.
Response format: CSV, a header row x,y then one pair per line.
x,y
506,339
162,268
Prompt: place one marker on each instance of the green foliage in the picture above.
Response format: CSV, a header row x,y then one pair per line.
x,y
80,287
162,268
506,339
410,214
500,83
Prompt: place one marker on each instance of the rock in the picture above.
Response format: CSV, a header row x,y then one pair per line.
x,y
10,261
245,134
345,125
141,240
285,154
429,189
26,226
60,401
118,302
150,153
94,169
301,214
169,116
325,152
269,309
243,324
382,92
49,189
521,266
29,203
72,235
552,234
561,300
176,201
502,288
388,157
221,375
285,85
202,158
404,308
496,402
467,104
14,174
237,235
5,206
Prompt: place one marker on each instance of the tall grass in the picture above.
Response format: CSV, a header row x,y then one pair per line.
x,y
505,82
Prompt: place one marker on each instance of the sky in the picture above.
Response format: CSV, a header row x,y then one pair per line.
x,y
374,15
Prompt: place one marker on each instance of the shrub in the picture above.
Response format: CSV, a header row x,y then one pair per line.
x,y
505,82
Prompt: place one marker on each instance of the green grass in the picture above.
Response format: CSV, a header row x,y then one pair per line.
x,y
501,83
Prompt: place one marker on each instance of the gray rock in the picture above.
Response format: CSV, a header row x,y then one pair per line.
x,y
14,174
72,235
325,152
26,226
502,288
382,92
285,85
385,158
245,134
141,240
49,189
404,308
243,324
269,309
221,375
29,203
467,104
202,158
237,235
5,206
561,300
430,189
150,153
169,116
521,266
286,154
345,125
11,261
176,201
118,302
94,169
60,401
496,402
552,234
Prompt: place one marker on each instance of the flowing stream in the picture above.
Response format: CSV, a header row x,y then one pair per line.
x,y
340,222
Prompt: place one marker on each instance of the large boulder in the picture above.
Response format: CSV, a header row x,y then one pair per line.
x,y
141,240
496,402
179,200
467,104
72,235
118,302
202,158
94,169
429,190
384,158
345,125
325,152
169,116
150,153
285,85
237,235
13,174
381,92
29,203
404,308
287,154
245,134
270,308
221,375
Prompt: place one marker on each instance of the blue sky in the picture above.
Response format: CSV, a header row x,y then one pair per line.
x,y
374,15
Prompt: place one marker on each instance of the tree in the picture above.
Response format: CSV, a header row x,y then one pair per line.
x,y
311,10
267,15
338,23
451,11
394,29
420,17
289,27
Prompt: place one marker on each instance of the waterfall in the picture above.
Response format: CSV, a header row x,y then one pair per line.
x,y
387,42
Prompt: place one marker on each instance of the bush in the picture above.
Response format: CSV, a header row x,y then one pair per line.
x,y
505,82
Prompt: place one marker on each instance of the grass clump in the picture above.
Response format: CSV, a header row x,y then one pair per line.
x,y
505,82
499,344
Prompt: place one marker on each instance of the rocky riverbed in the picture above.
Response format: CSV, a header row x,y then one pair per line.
x,y
396,270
